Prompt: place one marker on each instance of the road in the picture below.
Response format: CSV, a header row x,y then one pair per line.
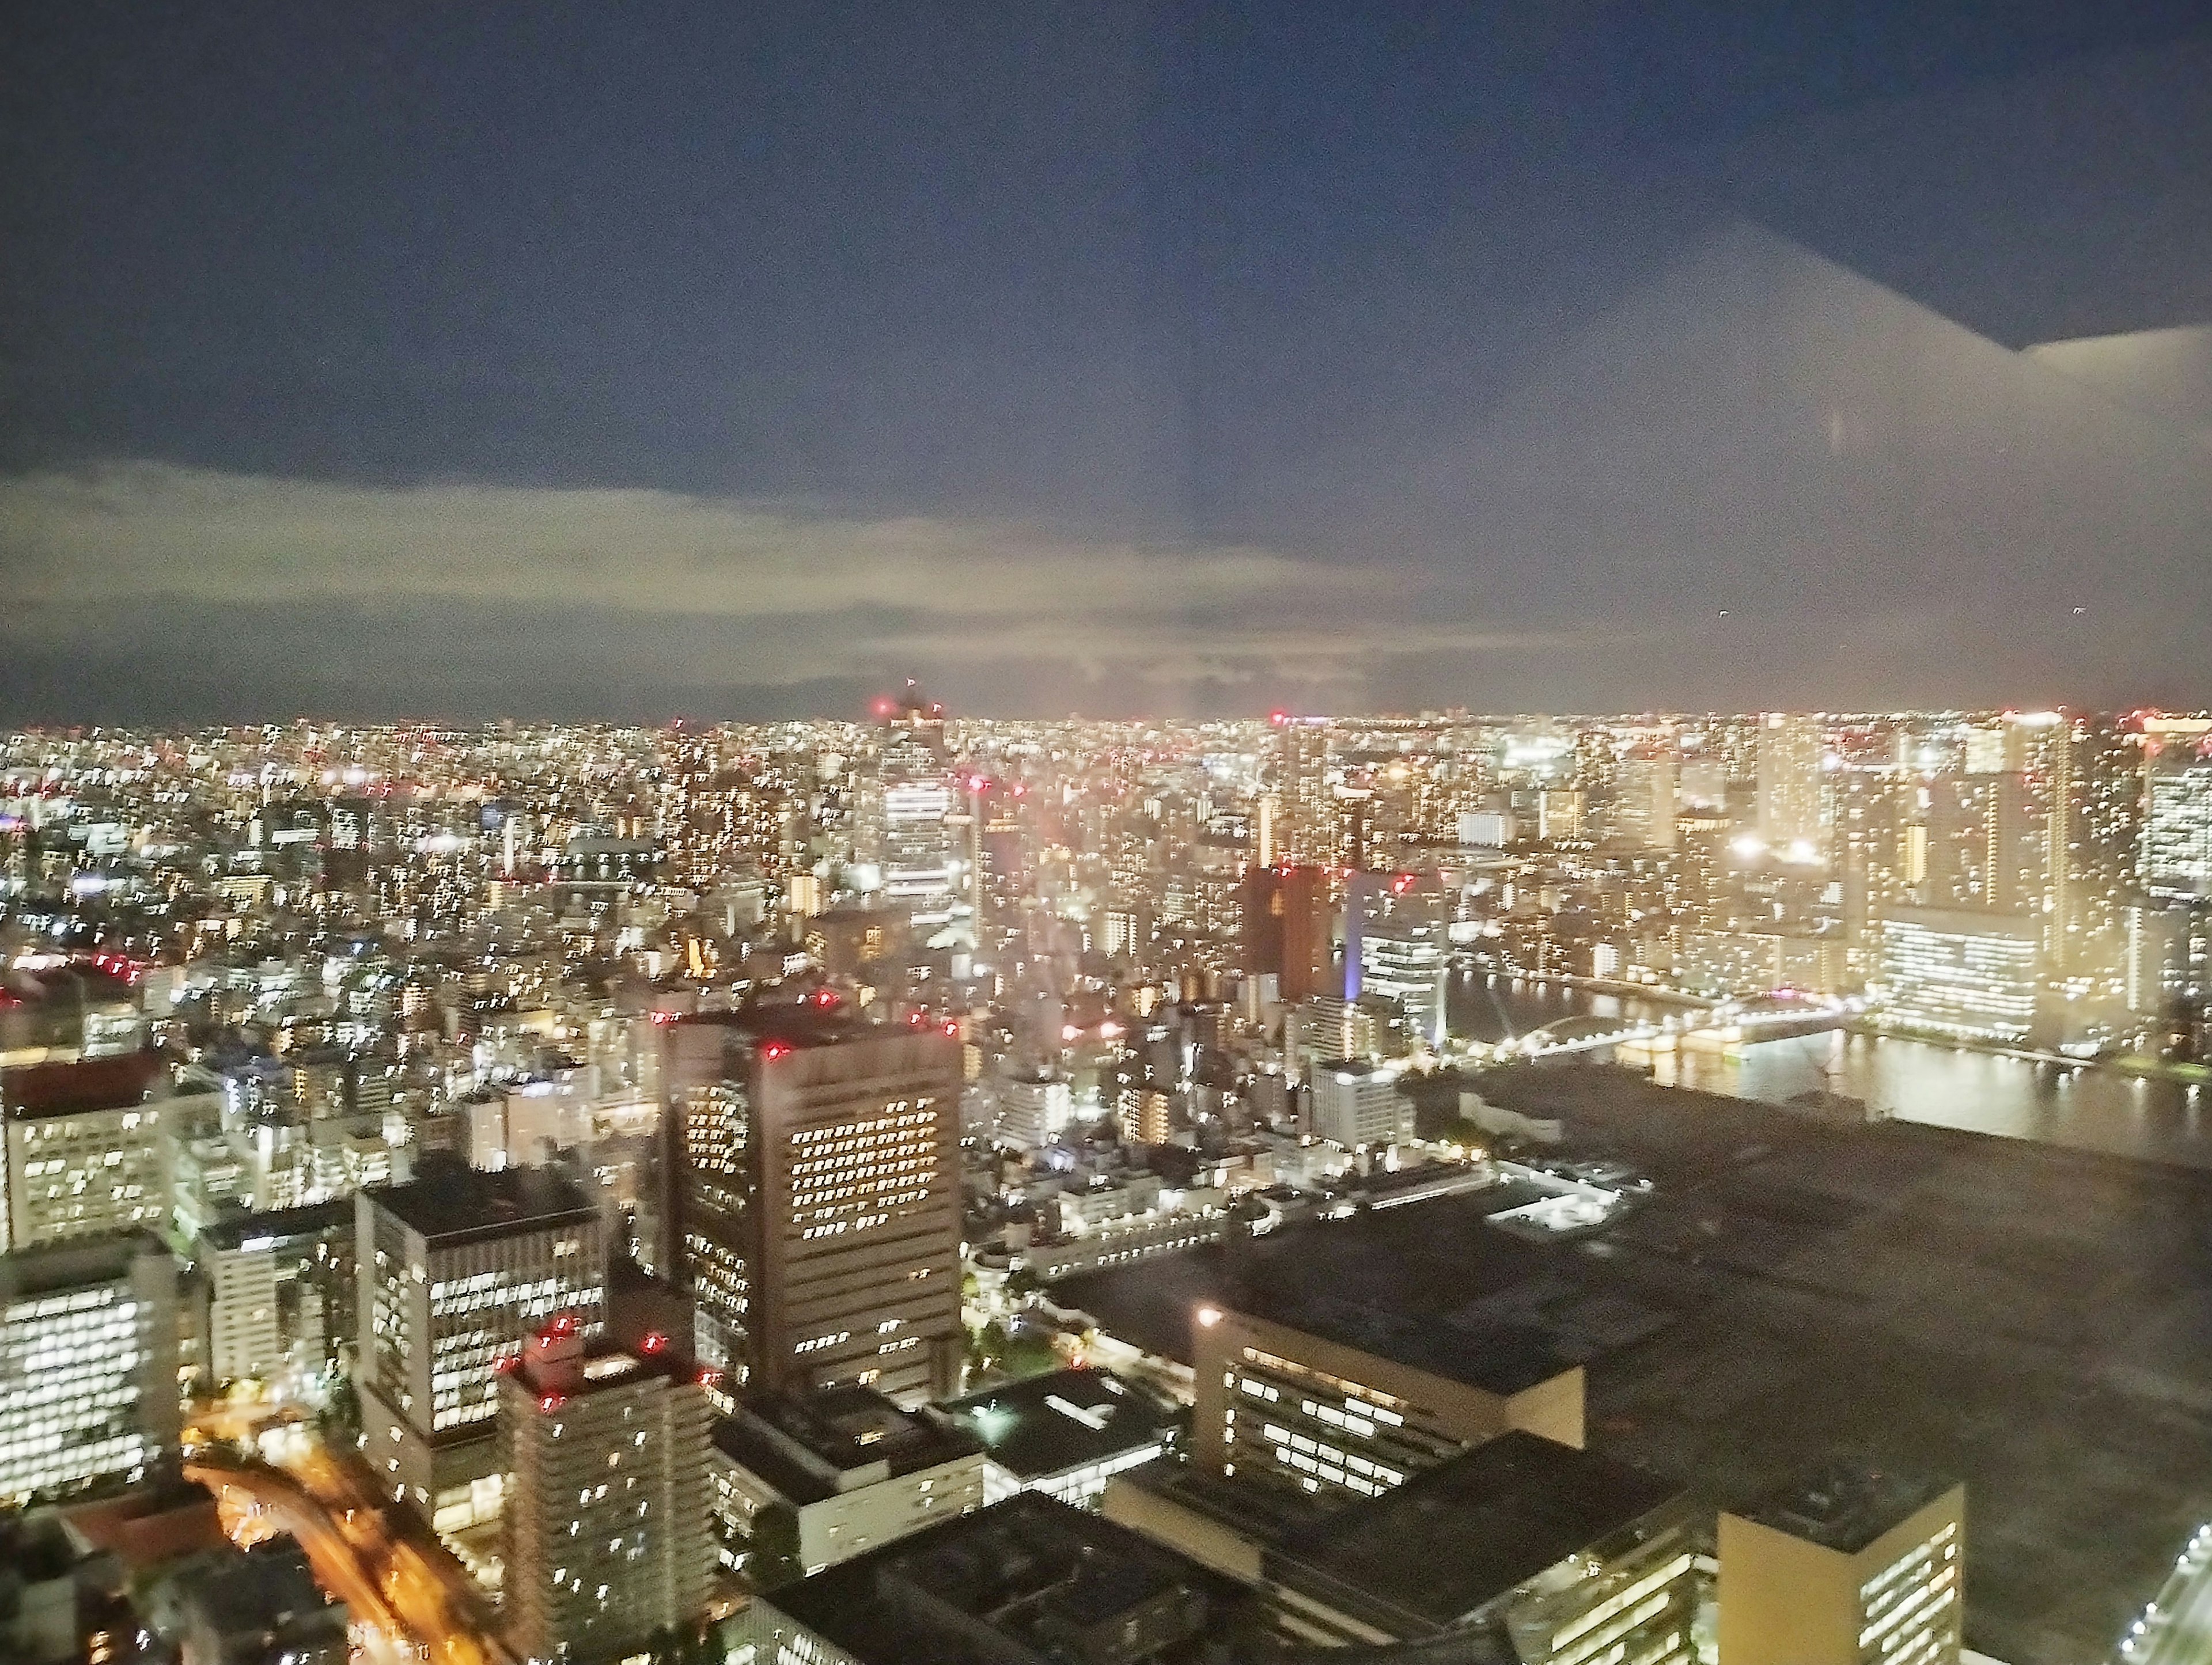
x,y
2176,1629
254,1494
413,1608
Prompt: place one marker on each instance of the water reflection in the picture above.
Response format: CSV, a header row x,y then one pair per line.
x,y
2092,1109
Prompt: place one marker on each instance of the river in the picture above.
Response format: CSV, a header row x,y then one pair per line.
x,y
1914,1081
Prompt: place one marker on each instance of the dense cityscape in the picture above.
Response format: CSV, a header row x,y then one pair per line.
x,y
925,1187
1182,834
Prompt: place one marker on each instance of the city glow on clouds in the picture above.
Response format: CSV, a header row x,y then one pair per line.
x,y
801,594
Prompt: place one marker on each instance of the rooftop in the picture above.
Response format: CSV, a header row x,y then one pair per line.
x,y
236,1230
822,1019
1486,1522
1025,1582
1845,1505
115,1083
446,1201
75,1264
1048,1425
812,1446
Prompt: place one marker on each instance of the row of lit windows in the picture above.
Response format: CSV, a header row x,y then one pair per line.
x,y
1348,1390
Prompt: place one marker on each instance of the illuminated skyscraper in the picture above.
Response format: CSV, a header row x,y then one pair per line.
x,y
923,863
457,1268
1301,782
1401,950
1790,753
1644,790
2176,835
606,1527
815,1197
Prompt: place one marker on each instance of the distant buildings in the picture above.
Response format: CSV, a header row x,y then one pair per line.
x,y
606,1525
1790,757
458,1267
1849,1565
1961,973
88,1391
815,1198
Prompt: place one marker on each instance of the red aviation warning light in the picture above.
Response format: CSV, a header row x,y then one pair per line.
x,y
772,1050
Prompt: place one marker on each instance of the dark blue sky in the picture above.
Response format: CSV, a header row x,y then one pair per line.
x,y
1216,337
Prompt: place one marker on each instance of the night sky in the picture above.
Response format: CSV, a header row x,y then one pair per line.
x,y
618,362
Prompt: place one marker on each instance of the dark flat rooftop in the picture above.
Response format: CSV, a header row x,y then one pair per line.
x,y
1428,1285
314,1219
446,1202
1485,1521
115,1083
1846,1506
1047,1424
1026,1582
840,1430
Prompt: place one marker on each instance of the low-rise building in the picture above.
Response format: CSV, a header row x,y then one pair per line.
x,y
1028,1582
802,1481
1328,1397
1065,1433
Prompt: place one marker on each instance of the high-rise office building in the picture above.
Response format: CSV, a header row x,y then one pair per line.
x,y
1645,788
457,1268
1852,1565
1960,972
1285,923
88,1389
815,1196
1309,838
2177,832
606,1527
1395,935
1790,757
83,1149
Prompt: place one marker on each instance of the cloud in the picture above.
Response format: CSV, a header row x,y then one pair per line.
x,y
687,592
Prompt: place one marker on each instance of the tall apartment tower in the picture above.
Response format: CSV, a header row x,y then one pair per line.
x,y
1850,1565
1284,917
607,1527
1309,834
1789,754
80,1150
458,1267
814,1205
1645,787
87,1364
